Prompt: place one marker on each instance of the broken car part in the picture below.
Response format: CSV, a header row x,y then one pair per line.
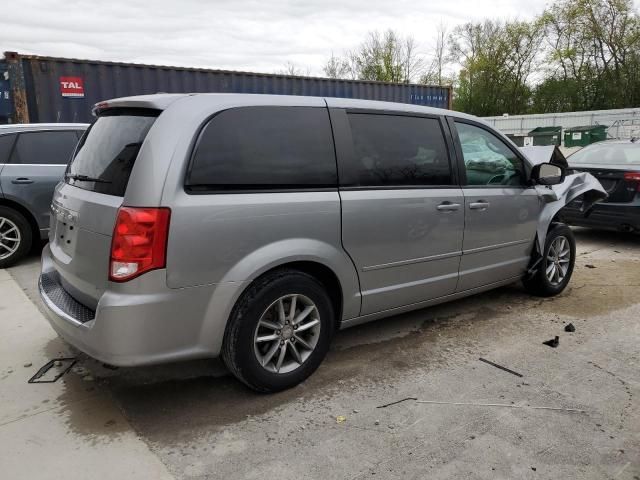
x,y
500,367
65,365
396,402
553,343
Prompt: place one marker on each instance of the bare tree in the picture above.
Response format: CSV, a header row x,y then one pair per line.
x,y
412,60
292,69
440,59
382,56
337,67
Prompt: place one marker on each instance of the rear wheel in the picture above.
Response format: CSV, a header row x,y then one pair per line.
x,y
279,332
556,267
15,236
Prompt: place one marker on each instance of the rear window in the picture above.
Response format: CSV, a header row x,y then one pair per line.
x,y
6,143
107,152
44,148
264,148
612,154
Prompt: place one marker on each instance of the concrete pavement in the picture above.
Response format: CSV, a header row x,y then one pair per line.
x,y
194,421
70,429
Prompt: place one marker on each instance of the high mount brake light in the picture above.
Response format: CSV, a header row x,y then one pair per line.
x,y
139,242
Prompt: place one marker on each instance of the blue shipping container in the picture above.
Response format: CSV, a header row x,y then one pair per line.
x,y
47,89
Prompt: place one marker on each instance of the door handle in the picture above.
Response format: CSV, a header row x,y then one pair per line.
x,y
481,205
22,181
448,207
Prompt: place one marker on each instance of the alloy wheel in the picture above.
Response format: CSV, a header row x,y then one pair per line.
x,y
558,258
10,238
287,333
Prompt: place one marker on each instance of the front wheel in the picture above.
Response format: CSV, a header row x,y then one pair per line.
x,y
279,332
556,267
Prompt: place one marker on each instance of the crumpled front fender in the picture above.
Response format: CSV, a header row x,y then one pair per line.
x,y
554,198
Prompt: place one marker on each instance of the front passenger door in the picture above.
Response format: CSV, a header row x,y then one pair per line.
x,y
501,211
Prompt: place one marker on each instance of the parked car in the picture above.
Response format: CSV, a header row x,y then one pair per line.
x,y
616,164
33,158
255,226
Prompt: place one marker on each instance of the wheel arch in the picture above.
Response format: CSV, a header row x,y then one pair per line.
x,y
321,272
26,213
325,261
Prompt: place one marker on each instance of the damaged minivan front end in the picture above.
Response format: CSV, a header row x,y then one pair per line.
x,y
556,197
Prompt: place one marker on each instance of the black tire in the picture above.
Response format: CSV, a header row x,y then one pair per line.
x,y
539,284
238,346
26,236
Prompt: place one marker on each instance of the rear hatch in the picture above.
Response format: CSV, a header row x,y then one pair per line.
x,y
85,206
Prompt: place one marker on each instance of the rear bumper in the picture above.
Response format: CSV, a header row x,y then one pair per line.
x,y
612,216
141,323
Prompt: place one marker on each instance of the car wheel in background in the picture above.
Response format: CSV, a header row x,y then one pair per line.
x,y
279,332
15,236
556,267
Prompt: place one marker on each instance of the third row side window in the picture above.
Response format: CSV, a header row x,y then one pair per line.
x,y
265,148
395,150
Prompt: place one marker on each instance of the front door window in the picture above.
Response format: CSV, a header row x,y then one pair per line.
x,y
487,160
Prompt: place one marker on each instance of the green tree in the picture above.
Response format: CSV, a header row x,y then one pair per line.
x,y
593,56
497,61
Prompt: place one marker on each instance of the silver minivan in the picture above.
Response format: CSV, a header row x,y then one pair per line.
x,y
255,226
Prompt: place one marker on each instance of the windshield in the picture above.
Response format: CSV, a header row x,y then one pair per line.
x,y
107,152
608,153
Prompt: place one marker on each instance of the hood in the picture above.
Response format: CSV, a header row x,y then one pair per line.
x,y
545,154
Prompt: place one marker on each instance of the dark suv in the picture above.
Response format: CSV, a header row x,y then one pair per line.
x,y
33,158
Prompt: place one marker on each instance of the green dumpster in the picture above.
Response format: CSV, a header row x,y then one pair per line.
x,y
582,136
517,139
546,135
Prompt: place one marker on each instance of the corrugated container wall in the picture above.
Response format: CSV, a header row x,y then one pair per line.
x,y
46,89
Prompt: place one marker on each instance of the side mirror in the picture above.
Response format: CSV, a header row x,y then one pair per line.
x,y
547,174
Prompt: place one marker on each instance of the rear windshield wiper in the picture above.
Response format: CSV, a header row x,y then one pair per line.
x,y
85,178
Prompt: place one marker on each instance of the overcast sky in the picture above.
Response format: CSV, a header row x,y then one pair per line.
x,y
251,35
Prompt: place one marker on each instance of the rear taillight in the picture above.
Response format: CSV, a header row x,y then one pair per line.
x,y
633,177
139,242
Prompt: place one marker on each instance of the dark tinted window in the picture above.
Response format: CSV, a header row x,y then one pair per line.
x,y
487,159
6,142
264,148
53,148
106,154
393,150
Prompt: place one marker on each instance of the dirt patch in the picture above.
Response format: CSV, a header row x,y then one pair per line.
x,y
596,291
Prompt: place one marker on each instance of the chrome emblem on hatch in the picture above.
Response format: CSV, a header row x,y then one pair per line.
x,y
63,214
